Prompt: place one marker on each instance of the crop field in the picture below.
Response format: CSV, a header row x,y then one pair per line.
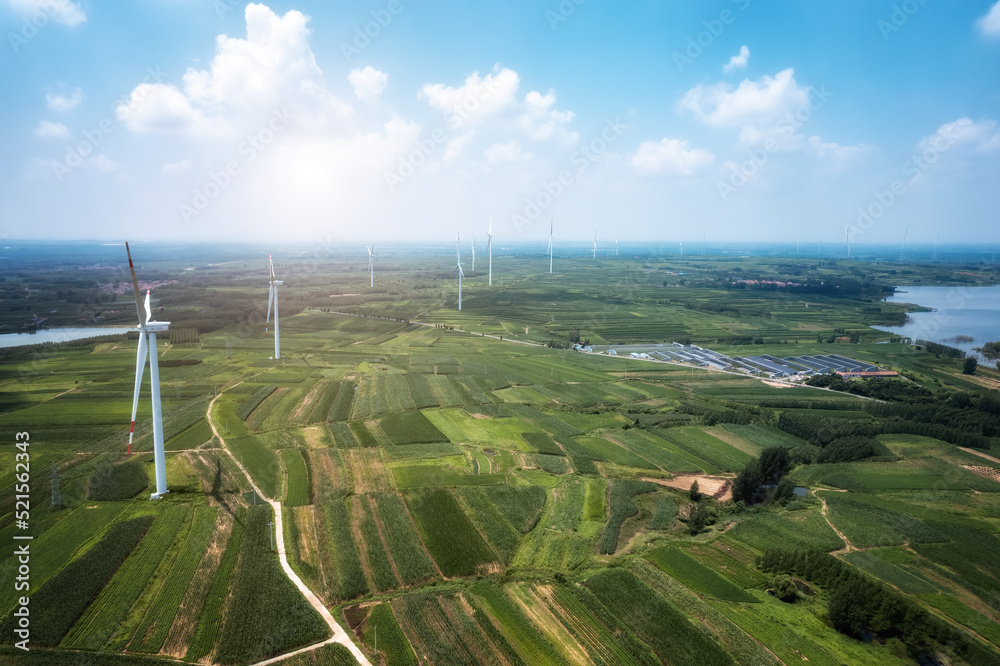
x,y
449,535
697,576
481,502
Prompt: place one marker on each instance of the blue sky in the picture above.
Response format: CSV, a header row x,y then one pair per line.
x,y
414,119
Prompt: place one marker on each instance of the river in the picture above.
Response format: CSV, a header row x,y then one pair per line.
x,y
59,335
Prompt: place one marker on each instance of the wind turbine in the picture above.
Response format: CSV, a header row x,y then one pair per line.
x,y
550,246
906,233
147,346
847,240
595,243
616,247
272,298
489,248
461,273
473,253
682,247
371,270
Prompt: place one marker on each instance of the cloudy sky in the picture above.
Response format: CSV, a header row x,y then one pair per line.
x,y
414,119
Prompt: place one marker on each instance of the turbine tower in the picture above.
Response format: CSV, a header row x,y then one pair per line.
x,y
847,240
473,253
550,246
902,251
147,347
371,269
616,247
272,298
489,248
595,243
461,273
682,247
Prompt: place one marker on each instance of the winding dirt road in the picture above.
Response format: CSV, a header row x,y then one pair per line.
x,y
339,635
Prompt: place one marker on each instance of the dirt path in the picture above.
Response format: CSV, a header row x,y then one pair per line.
x,y
339,635
848,546
980,454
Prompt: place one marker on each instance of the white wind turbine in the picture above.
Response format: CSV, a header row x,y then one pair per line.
x,y
473,253
489,248
595,243
272,298
616,247
906,232
550,247
147,346
371,265
461,273
682,247
847,240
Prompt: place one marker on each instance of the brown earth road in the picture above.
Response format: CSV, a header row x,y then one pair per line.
x,y
848,546
980,454
339,635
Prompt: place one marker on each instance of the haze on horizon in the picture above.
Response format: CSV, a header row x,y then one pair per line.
x,y
392,120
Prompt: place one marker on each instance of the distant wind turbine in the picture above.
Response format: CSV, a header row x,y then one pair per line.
x,y
616,247
906,236
473,252
550,246
595,243
461,273
272,299
371,264
489,248
147,346
847,240
682,247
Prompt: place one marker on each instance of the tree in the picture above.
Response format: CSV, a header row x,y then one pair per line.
x,y
694,494
746,483
698,518
784,588
970,366
785,491
774,463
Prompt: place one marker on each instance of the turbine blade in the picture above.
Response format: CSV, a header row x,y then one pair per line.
x,y
149,312
135,286
140,366
271,262
270,301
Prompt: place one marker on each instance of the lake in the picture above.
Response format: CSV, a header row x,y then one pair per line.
x,y
60,335
958,311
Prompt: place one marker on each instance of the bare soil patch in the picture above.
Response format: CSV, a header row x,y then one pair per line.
x,y
718,487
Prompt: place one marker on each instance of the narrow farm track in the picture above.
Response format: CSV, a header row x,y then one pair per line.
x,y
339,635
848,546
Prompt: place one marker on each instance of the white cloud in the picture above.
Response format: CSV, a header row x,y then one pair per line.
x,y
176,167
980,137
368,83
478,97
457,145
543,123
738,61
246,81
840,156
65,12
989,25
64,102
102,162
670,155
751,103
50,130
509,151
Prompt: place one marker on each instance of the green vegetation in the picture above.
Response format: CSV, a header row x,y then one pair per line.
x,y
296,479
697,576
117,481
622,507
410,428
450,537
266,614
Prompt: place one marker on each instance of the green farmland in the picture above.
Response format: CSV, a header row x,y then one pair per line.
x,y
473,500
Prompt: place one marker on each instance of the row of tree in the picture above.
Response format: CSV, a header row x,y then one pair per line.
x,y
753,484
860,607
